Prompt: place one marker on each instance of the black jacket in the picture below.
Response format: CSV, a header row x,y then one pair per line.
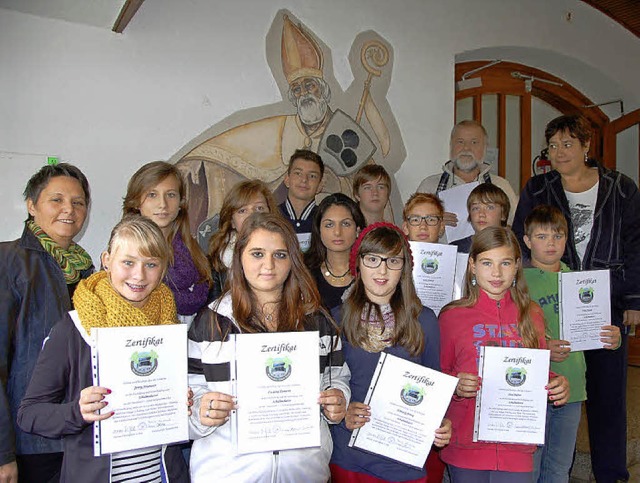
x,y
33,297
615,235
50,406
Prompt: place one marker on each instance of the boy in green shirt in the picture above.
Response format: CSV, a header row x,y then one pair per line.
x,y
545,235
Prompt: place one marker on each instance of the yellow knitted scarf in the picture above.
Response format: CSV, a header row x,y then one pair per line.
x,y
99,305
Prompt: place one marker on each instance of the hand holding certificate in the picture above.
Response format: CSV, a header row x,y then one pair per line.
x,y
585,307
511,406
433,273
277,389
146,370
408,403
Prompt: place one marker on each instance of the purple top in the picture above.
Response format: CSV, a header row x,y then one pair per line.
x,y
184,280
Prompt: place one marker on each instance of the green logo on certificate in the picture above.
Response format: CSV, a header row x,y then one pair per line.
x,y
586,295
278,368
412,395
144,363
429,265
516,376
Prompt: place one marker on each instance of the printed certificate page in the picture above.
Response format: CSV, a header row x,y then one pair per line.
x,y
408,402
277,386
462,261
433,273
455,201
511,406
146,370
585,306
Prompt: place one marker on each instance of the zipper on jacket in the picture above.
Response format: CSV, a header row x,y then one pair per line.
x,y
274,467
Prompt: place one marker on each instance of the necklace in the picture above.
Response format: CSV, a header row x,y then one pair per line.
x,y
331,274
268,317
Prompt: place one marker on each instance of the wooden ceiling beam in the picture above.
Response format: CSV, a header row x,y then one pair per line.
x,y
127,12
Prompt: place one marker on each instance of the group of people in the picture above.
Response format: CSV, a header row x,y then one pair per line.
x,y
337,268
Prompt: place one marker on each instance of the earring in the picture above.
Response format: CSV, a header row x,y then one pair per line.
x,y
586,158
474,282
514,283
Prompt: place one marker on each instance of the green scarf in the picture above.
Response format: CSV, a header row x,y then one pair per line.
x,y
71,261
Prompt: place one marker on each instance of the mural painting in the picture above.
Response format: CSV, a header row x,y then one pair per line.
x,y
347,128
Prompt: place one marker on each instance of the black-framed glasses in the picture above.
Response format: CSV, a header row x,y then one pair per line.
x,y
374,261
431,220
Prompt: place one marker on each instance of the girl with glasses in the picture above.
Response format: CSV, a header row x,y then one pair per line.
x,y
381,313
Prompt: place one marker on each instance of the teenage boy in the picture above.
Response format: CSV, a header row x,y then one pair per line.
x,y
422,218
371,189
303,181
545,235
487,205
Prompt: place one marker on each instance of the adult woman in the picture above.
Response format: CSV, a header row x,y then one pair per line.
x,y
381,313
245,198
61,399
336,226
270,290
157,191
495,311
602,208
38,274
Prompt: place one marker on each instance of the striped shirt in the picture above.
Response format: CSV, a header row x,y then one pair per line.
x,y
137,466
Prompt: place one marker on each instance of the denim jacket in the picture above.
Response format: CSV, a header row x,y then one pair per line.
x,y
33,297
615,235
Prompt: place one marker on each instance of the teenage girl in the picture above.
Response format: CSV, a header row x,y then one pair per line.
x,y
336,225
61,400
269,290
245,198
382,313
157,191
495,311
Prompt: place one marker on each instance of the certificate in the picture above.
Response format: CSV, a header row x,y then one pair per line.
x,y
462,261
277,385
408,402
455,201
433,273
511,406
146,370
585,306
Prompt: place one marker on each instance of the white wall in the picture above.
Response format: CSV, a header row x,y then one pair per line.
x,y
110,102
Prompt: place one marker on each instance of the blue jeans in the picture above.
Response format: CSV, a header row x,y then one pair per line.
x,y
552,462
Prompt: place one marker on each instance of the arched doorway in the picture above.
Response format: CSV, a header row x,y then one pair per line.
x,y
512,100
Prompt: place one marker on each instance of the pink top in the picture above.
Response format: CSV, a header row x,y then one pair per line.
x,y
462,332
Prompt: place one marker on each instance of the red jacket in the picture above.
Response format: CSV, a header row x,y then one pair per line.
x,y
462,332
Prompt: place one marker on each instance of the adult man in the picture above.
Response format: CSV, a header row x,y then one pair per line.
x,y
303,181
468,150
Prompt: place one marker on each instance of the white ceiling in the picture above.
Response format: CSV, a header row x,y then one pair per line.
x,y
97,13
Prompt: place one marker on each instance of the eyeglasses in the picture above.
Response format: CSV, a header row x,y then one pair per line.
x,y
431,220
374,261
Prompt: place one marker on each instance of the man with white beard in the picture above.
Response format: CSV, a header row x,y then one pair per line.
x,y
311,96
468,148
